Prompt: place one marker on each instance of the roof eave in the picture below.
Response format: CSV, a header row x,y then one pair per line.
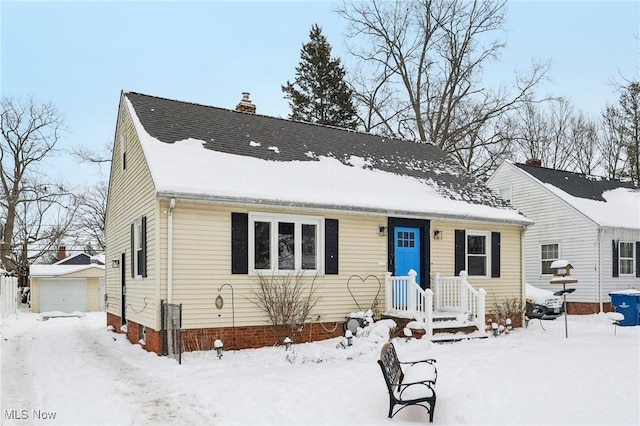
x,y
333,208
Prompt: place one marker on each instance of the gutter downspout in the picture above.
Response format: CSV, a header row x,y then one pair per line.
x,y
599,266
523,275
172,205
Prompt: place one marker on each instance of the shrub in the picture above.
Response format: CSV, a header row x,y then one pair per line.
x,y
287,300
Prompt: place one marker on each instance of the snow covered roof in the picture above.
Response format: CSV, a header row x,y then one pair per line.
x,y
213,153
576,184
81,259
58,270
608,202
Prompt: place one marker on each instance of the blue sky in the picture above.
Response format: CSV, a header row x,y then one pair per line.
x,y
80,55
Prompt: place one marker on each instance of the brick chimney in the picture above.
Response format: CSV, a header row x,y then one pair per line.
x,y
535,162
245,105
62,252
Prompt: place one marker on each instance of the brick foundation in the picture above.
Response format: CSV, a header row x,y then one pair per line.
x,y
579,308
152,337
201,339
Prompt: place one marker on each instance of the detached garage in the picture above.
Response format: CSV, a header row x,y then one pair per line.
x,y
67,288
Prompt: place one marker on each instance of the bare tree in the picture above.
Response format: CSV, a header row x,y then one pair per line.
x,y
630,115
86,155
92,212
432,54
611,145
34,210
583,138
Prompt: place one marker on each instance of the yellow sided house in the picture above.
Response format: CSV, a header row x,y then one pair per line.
x,y
220,222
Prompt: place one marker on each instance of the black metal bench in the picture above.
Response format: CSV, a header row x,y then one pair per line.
x,y
413,385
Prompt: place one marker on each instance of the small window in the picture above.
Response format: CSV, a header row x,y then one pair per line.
x,y
505,193
282,244
138,247
626,258
406,239
123,149
477,254
548,254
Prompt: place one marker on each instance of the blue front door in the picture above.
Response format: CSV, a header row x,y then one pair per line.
x,y
407,256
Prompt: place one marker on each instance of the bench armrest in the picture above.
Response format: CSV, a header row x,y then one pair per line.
x,y
420,372
430,361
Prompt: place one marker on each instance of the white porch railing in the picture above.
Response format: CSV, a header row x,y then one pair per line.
x,y
455,294
8,296
404,297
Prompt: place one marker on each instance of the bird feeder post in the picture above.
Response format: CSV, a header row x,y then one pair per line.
x,y
562,275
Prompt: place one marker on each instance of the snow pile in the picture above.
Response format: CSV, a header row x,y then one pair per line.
x,y
83,374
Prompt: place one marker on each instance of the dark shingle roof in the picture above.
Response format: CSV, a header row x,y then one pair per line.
x,y
233,132
575,184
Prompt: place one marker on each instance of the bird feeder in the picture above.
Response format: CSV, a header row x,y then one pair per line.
x,y
562,272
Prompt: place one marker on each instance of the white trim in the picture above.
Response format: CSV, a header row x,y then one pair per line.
x,y
298,221
547,243
123,149
633,259
487,255
137,247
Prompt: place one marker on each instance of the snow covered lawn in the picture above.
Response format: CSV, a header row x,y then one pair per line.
x,y
73,371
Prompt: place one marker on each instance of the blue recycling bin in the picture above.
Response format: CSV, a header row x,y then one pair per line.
x,y
627,302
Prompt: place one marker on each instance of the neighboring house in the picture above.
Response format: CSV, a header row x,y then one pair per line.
x,y
591,222
73,284
203,200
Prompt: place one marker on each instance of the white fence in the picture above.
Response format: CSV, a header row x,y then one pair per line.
x,y
8,296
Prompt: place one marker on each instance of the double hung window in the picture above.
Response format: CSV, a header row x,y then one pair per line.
x,y
477,254
548,254
626,258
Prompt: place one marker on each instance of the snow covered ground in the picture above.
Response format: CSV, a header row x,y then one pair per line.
x,y
73,371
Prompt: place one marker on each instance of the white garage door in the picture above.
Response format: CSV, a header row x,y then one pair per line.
x,y
65,295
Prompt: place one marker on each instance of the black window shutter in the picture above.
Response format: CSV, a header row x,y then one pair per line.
x,y
615,265
143,263
133,250
331,246
239,243
495,255
460,251
637,258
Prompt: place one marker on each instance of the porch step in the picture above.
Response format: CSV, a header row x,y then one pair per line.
x,y
447,327
439,337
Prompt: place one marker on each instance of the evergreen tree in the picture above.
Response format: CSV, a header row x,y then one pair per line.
x,y
319,93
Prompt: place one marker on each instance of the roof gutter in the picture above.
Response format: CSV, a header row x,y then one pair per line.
x,y
334,208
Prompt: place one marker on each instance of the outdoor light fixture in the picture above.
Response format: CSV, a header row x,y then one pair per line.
x,y
218,345
437,235
494,328
407,334
382,231
509,325
287,343
115,263
349,335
